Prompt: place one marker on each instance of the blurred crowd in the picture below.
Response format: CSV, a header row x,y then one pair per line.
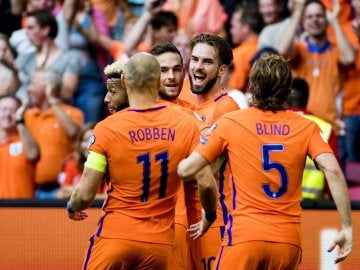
x,y
53,85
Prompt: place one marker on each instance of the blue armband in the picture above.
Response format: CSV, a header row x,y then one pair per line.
x,y
69,209
210,217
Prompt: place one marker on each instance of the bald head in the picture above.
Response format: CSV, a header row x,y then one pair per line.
x,y
142,71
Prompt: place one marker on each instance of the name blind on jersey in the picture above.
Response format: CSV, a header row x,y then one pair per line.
x,y
272,129
152,134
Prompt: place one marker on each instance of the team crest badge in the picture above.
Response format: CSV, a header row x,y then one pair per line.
x,y
15,149
203,140
91,140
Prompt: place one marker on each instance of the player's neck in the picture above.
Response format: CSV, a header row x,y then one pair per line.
x,y
142,100
214,91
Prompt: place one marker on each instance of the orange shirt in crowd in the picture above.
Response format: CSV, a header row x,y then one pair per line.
x,y
53,142
118,52
242,56
17,177
320,68
267,153
148,144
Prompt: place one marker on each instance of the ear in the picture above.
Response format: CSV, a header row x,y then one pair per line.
x,y
222,69
46,30
123,82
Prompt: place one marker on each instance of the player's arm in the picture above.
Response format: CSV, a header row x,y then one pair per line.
x,y
327,163
286,47
196,166
191,165
85,191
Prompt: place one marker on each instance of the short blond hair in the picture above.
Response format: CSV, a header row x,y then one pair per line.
x,y
114,70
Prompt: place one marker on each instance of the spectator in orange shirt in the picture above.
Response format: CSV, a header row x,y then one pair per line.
x,y
317,59
246,24
267,146
18,150
139,211
54,126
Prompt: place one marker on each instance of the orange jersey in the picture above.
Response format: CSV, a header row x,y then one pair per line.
x,y
267,153
319,67
242,56
210,111
17,177
143,148
186,93
207,114
53,142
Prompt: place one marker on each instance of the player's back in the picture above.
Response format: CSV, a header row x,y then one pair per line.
x,y
143,149
267,153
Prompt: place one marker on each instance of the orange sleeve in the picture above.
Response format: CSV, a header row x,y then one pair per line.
x,y
317,144
214,143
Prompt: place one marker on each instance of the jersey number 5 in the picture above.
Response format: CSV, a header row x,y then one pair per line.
x,y
270,165
145,159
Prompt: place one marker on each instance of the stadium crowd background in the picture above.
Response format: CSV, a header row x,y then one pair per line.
x,y
77,39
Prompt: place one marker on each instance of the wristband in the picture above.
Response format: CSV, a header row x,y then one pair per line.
x,y
210,217
20,121
69,209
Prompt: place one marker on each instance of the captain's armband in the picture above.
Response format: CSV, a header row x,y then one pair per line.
x,y
96,161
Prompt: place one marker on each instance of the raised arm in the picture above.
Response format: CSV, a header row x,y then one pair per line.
x,y
286,45
68,124
31,147
139,29
347,51
338,188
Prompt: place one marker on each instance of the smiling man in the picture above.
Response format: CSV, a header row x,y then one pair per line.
x,y
210,57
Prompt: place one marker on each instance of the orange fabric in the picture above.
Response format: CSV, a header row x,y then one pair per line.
x,y
17,177
351,98
242,56
345,9
322,73
70,174
206,114
105,253
180,251
267,154
210,111
148,144
205,249
208,16
53,142
186,93
117,49
254,254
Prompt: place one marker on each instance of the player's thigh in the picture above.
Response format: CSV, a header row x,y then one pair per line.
x,y
258,255
105,253
203,250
